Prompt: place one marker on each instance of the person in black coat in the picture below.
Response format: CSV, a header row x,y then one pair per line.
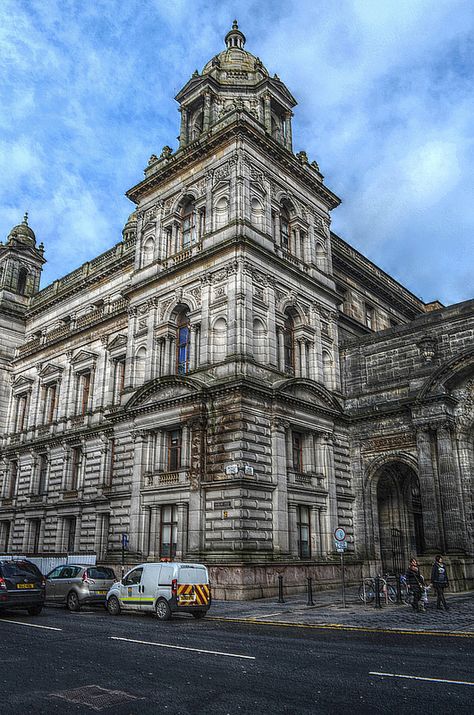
x,y
440,581
416,583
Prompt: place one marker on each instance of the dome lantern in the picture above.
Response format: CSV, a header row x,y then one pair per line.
x,y
235,38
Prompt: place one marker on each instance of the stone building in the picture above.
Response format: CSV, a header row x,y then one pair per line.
x,y
231,381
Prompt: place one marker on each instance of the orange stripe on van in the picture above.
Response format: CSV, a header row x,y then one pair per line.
x,y
200,591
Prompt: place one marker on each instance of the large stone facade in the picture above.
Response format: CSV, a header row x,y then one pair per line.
x,y
232,381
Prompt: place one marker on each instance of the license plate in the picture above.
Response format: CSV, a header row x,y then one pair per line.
x,y
101,593
187,599
25,585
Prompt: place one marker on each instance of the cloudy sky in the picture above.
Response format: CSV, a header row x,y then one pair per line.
x,y
385,92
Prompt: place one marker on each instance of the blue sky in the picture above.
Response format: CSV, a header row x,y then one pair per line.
x,y
385,92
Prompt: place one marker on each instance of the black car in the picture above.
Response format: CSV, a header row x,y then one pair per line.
x,y
22,585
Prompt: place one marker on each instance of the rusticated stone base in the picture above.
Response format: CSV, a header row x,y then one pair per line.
x,y
245,582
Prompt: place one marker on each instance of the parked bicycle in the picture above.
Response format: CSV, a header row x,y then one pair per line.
x,y
367,590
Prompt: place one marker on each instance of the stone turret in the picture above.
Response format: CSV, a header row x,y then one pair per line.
x,y
21,262
235,79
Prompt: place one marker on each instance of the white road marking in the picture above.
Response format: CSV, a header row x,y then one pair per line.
x,y
179,647
31,625
268,615
418,677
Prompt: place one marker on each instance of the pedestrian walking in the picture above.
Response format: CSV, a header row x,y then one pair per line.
x,y
440,581
416,584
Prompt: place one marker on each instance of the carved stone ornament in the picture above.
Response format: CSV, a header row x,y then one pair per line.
x,y
427,347
165,304
389,442
465,408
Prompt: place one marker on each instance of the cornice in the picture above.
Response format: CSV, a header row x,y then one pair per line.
x,y
243,125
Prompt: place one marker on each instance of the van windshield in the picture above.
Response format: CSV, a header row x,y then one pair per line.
x,y
192,575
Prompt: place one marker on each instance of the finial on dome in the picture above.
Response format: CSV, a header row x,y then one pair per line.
x,y
235,38
25,218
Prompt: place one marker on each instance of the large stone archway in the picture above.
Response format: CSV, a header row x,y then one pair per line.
x,y
397,522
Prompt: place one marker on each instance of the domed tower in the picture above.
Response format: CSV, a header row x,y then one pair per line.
x,y
21,263
235,79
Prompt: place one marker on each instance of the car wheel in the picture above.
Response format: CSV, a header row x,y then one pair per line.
x,y
72,601
199,614
162,610
113,606
35,610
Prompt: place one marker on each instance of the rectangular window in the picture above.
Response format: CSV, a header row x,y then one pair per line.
x,y
369,317
13,478
20,412
183,350
119,379
42,473
297,450
109,469
174,450
76,462
285,233
168,531
70,534
83,387
4,536
35,531
302,525
50,399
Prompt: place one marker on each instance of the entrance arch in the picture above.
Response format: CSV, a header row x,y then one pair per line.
x,y
398,522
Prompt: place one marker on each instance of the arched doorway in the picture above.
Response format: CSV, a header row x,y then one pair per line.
x,y
400,519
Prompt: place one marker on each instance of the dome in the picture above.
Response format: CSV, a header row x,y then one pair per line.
x,y
234,64
22,233
131,222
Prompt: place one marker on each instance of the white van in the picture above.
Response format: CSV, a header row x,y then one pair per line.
x,y
163,589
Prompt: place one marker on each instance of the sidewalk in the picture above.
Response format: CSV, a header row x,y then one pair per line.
x,y
328,611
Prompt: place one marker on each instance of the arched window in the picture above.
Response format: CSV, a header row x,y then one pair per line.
x,y
221,212
188,224
289,344
320,256
327,368
197,123
148,251
21,284
256,212
140,362
183,343
220,339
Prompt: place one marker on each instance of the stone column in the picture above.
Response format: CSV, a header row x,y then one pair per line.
x,y
281,349
288,134
432,528
185,434
207,111
139,466
206,287
302,347
280,493
194,346
196,473
327,444
323,541
132,314
183,131
293,529
314,531
232,336
181,538
154,541
267,113
318,347
448,487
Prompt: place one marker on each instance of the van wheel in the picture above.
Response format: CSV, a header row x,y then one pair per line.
x,y
162,610
35,610
113,606
72,601
199,614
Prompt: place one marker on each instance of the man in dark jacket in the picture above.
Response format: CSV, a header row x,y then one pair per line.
x,y
440,581
416,583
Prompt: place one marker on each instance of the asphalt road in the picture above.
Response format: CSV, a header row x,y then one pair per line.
x,y
92,662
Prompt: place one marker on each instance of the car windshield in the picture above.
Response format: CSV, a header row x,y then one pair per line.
x,y
101,572
14,569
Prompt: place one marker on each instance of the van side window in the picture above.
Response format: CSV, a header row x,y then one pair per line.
x,y
133,577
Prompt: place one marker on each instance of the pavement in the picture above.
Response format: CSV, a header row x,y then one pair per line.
x,y
329,612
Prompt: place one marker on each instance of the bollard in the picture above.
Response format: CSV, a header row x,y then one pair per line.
x,y
377,593
310,601
399,589
280,589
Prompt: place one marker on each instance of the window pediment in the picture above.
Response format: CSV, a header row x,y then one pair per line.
x,y
22,384
51,373
83,361
118,346
313,393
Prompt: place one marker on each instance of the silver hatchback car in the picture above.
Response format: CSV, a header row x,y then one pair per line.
x,y
75,586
